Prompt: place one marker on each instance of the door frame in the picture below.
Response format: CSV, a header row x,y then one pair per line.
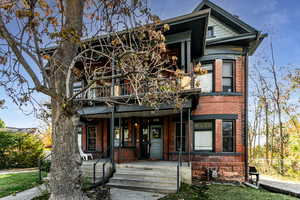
x,y
162,139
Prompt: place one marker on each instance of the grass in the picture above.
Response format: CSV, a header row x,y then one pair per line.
x,y
13,183
224,192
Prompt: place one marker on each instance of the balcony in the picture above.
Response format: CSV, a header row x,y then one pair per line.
x,y
125,90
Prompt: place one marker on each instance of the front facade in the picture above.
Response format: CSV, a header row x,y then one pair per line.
x,y
213,121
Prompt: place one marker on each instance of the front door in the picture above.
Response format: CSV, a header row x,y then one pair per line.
x,y
156,137
145,142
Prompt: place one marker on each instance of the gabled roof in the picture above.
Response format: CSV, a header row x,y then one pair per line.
x,y
226,17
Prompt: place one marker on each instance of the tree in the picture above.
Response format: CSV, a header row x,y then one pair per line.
x,y
43,50
2,124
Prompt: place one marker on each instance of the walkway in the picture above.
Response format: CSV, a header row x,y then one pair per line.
x,y
286,187
27,194
121,194
15,171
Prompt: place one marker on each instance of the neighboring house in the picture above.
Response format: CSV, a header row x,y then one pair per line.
x,y
214,120
21,130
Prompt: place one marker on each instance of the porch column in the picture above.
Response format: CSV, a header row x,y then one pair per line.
x,y
188,56
183,66
112,136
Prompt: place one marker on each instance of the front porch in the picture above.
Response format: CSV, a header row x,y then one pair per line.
x,y
139,135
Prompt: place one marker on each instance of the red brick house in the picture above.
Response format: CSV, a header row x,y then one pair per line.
x,y
214,121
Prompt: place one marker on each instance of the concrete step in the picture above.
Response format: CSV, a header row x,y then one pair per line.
x,y
151,188
146,181
159,179
159,172
141,175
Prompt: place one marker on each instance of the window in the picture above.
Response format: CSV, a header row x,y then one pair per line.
x,y
91,138
228,136
77,86
210,32
178,136
205,81
203,135
227,76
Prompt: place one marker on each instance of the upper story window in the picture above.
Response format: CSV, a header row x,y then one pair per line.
x,y
210,32
228,76
228,136
203,135
77,86
206,81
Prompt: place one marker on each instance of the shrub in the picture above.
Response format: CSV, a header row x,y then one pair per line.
x,y
19,150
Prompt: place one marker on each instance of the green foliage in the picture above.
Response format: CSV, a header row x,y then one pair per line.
x,y
13,183
2,124
19,150
224,192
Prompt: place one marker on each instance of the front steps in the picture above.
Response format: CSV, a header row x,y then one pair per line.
x,y
145,177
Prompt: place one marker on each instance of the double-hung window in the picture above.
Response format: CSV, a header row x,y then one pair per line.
x,y
203,135
228,76
228,136
178,136
91,138
206,81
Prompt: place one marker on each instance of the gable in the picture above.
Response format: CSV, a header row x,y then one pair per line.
x,y
220,30
226,17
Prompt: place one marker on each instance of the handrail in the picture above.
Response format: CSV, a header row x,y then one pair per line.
x,y
103,167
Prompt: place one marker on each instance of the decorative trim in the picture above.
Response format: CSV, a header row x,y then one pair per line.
x,y
214,116
208,153
221,94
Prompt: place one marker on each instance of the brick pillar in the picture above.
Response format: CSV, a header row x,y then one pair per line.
x,y
218,136
218,75
239,71
83,139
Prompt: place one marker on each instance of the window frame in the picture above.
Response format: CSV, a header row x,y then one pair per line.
x,y
212,62
213,134
212,31
184,136
233,79
87,139
233,135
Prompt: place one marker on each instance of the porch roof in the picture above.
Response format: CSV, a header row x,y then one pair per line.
x,y
130,111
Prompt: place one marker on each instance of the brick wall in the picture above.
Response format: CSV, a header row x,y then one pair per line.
x,y
228,167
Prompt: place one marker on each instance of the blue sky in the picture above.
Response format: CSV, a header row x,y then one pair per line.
x,y
279,18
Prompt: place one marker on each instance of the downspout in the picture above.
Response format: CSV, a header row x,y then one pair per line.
x,y
246,114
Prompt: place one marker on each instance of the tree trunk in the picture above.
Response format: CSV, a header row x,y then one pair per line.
x,y
267,131
65,180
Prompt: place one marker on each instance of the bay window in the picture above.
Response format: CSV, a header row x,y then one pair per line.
x,y
203,135
228,76
205,81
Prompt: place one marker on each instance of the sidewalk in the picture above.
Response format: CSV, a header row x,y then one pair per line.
x,y
285,187
27,194
15,171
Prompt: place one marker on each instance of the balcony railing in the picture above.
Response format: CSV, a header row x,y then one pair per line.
x,y
187,83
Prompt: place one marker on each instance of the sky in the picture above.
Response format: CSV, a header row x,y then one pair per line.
x,y
278,18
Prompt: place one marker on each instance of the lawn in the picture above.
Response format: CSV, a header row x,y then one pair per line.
x,y
13,183
225,192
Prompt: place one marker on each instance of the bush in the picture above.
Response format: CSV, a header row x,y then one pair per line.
x,y
19,150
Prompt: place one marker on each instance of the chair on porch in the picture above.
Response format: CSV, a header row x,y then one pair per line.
x,y
85,156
